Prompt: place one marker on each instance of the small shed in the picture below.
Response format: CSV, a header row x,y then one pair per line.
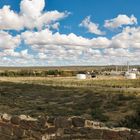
x,y
93,75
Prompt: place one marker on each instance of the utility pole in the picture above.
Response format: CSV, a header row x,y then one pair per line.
x,y
128,68
116,68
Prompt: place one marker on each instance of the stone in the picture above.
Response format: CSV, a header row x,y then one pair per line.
x,y
25,124
43,123
78,137
136,136
5,117
49,137
27,134
36,135
62,122
28,122
78,122
92,124
70,131
50,130
18,132
51,120
125,134
59,132
27,118
111,135
92,133
15,120
60,128
4,137
7,129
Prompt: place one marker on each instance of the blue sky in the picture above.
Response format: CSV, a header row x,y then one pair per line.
x,y
69,32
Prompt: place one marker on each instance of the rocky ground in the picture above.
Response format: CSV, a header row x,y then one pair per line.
x,y
60,128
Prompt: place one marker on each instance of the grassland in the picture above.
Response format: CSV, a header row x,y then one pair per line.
x,y
114,101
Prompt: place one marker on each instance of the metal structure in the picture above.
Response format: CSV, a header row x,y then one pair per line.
x,y
130,74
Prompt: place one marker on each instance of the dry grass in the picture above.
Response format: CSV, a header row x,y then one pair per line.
x,y
103,82
105,99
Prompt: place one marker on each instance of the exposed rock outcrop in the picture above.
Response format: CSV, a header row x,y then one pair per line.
x,y
60,128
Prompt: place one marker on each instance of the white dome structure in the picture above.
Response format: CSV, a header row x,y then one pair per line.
x,y
81,76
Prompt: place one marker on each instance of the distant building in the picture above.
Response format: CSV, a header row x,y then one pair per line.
x,y
81,76
130,75
93,75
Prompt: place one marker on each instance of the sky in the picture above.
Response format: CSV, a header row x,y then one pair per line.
x,y
69,32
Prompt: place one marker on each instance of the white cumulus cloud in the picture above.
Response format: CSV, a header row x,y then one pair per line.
x,y
8,41
119,21
31,16
46,37
47,46
128,38
90,26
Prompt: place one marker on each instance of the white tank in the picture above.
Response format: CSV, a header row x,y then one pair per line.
x,y
81,76
130,75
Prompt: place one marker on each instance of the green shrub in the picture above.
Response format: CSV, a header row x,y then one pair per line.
x,y
97,114
131,121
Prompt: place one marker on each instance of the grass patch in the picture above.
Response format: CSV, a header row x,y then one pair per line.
x,y
108,101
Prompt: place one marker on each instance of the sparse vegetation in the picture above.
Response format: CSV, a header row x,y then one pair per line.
x,y
106,100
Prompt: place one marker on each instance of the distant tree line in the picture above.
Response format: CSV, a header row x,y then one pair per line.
x,y
42,73
56,72
37,73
